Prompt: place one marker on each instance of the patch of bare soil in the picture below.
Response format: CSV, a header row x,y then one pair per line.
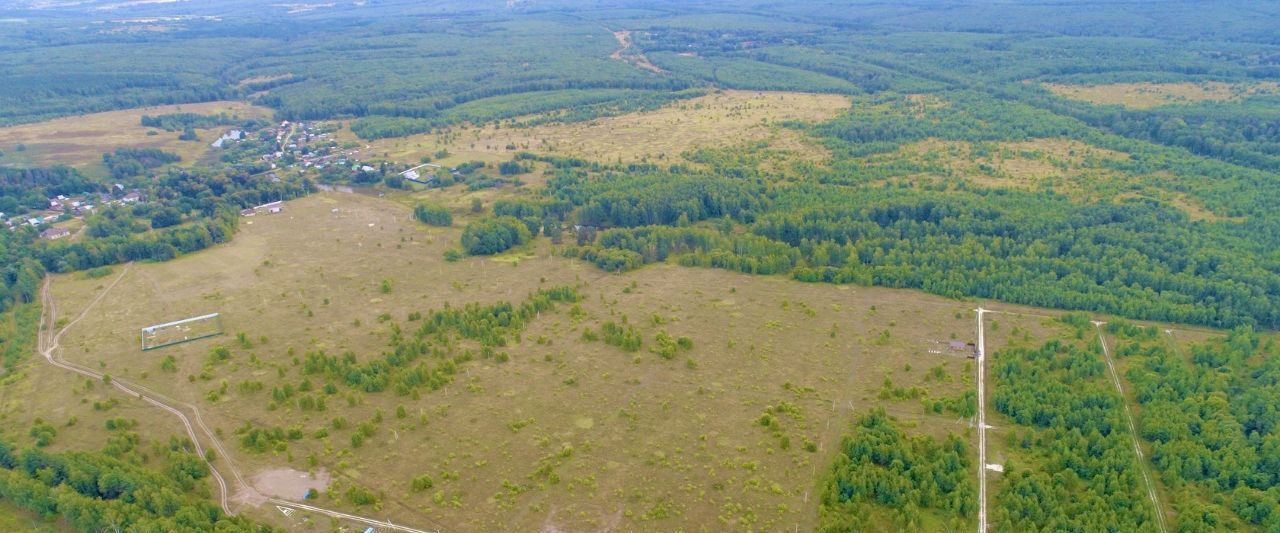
x,y
290,484
626,53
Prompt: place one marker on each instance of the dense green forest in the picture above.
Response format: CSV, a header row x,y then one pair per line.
x,y
1135,258
1080,471
102,491
923,482
1210,416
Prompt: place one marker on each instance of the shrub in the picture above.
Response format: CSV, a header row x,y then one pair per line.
x,y
422,483
361,496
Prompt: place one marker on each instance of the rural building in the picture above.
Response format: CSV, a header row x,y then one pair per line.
x,y
271,208
55,233
960,346
247,212
131,197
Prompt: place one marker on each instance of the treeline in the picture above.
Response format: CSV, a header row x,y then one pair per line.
x,y
571,105
32,97
636,102
18,335
131,162
1211,419
882,476
97,492
1070,426
1135,258
20,274
155,246
174,122
642,196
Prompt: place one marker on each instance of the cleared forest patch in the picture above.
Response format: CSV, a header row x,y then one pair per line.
x,y
721,119
1085,173
1149,95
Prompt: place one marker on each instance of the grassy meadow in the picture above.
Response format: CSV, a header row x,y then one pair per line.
x,y
1149,95
632,438
720,119
80,141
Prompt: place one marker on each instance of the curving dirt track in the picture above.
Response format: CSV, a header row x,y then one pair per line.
x,y
47,344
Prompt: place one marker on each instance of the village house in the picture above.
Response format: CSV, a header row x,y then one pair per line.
x,y
131,197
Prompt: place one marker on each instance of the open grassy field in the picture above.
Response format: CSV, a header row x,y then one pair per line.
x,y
721,119
568,434
1149,95
80,141
634,440
1063,165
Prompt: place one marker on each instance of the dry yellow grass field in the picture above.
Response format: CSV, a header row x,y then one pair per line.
x,y
654,443
721,119
1022,165
1067,166
1149,95
80,141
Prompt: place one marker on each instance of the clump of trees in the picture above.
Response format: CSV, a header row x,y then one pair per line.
x,y
130,162
622,335
432,214
488,236
881,467
181,121
99,492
